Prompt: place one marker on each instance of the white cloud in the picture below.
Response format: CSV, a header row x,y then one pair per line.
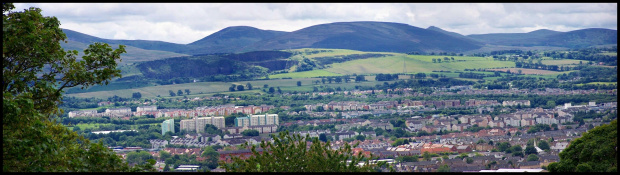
x,y
187,22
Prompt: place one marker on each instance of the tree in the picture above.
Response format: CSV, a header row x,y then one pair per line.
x,y
543,145
138,157
359,78
232,88
503,146
288,153
279,90
212,129
338,80
179,92
172,94
272,90
298,83
532,157
550,104
250,132
163,155
211,157
265,86
469,160
530,150
323,137
187,91
360,137
249,86
36,70
594,151
240,88
137,95
443,168
426,156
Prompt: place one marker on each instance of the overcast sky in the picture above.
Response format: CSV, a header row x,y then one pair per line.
x,y
187,22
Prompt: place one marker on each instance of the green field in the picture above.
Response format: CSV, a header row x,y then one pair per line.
x,y
603,83
561,62
90,126
413,63
610,53
195,88
305,74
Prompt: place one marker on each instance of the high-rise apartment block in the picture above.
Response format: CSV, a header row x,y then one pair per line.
x,y
198,124
254,120
167,125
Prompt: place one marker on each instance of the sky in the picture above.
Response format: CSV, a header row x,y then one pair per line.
x,y
184,23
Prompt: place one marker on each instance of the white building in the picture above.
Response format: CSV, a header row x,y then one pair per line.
x,y
146,108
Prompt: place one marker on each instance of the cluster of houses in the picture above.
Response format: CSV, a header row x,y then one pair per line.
x,y
114,112
220,110
463,90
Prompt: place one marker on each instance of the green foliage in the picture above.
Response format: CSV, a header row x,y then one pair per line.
x,y
469,160
426,156
163,155
407,158
400,142
532,157
212,157
360,138
594,151
288,153
503,146
250,132
32,139
138,157
544,145
443,168
211,129
530,150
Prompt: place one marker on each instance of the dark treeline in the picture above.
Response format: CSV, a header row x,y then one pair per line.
x,y
343,58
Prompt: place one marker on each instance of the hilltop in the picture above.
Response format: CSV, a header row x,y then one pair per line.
x,y
366,36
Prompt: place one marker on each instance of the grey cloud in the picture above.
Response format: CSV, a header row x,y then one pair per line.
x,y
187,22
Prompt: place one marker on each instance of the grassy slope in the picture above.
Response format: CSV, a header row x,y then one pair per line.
x,y
369,66
413,63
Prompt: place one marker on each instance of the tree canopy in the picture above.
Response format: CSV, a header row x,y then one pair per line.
x,y
595,151
289,153
35,71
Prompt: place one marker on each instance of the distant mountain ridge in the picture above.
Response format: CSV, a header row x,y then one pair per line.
x,y
231,38
362,36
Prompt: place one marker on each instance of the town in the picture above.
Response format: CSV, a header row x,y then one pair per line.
x,y
494,137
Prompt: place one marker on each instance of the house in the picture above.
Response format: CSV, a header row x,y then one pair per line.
x,y
529,165
463,149
243,154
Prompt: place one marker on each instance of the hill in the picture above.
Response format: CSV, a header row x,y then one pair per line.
x,y
143,44
364,36
230,39
572,39
454,34
367,36
79,41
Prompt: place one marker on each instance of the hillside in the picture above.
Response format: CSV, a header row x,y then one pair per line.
x,y
367,36
363,36
454,34
133,54
143,44
573,39
229,39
